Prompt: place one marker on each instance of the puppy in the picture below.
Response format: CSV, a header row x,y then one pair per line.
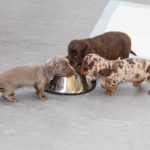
x,y
37,76
110,45
135,70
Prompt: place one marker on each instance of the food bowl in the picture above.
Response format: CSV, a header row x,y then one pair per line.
x,y
72,85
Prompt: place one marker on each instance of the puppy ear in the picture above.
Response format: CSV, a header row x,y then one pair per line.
x,y
82,45
86,48
77,45
50,68
77,48
83,48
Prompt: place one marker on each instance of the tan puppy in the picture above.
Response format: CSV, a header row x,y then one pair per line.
x,y
37,76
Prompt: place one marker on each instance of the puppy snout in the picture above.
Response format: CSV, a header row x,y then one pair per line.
x,y
71,71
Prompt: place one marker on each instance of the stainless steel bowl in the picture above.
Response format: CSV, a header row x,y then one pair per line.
x,y
72,85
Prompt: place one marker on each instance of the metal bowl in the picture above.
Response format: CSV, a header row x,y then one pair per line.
x,y
72,85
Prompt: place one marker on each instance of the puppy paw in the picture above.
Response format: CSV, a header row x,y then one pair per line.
x,y
44,97
108,93
10,99
136,84
111,91
14,98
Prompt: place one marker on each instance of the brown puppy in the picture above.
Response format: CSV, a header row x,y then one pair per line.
x,y
110,45
37,76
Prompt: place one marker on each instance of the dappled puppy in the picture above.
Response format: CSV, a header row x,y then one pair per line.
x,y
135,70
110,45
37,76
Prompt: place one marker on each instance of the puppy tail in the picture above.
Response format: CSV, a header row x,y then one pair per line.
x,y
132,52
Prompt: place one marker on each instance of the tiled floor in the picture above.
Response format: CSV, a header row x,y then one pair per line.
x,y
32,32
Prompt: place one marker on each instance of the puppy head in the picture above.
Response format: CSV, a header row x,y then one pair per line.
x,y
76,50
63,68
89,67
59,66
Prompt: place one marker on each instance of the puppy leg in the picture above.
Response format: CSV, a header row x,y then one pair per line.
x,y
111,88
9,95
36,89
40,91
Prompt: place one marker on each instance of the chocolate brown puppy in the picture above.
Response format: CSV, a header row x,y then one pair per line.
x,y
110,45
37,76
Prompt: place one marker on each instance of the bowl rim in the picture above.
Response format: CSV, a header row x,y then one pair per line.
x,y
68,76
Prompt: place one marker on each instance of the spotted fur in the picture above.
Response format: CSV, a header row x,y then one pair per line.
x,y
114,72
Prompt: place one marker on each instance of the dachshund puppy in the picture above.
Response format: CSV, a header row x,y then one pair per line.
x,y
110,45
135,70
37,76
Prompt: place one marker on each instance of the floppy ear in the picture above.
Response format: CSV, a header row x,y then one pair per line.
x,y
85,48
77,48
76,45
50,68
83,44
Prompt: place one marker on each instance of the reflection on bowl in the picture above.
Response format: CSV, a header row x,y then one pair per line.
x,y
72,85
